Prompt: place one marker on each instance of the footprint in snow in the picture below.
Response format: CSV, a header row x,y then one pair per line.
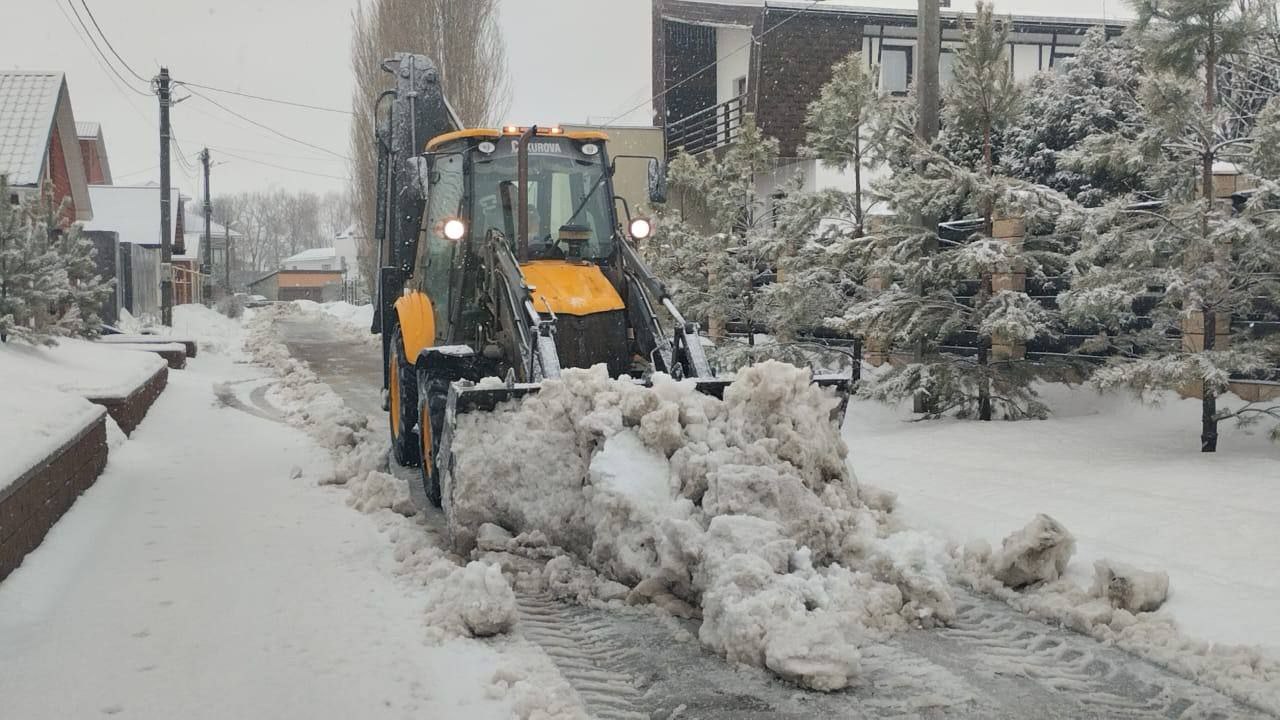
x,y
142,634
112,709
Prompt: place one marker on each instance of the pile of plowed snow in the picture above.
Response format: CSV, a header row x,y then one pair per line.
x,y
742,510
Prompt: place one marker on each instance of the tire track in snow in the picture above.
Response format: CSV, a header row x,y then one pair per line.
x,y
1075,670
581,647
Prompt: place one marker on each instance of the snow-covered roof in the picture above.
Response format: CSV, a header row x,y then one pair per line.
x,y
1078,12
313,255
195,226
88,129
28,104
133,211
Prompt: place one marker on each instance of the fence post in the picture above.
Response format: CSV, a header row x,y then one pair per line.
x,y
1011,278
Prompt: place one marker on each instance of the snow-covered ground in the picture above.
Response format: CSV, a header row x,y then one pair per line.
x,y
1127,480
42,402
207,574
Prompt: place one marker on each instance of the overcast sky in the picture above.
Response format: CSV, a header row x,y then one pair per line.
x,y
570,61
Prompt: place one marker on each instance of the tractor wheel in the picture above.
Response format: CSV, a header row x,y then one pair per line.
x,y
403,395
433,394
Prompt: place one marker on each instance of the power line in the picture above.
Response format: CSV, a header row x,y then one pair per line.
x,y
694,74
98,55
278,167
109,45
268,128
264,98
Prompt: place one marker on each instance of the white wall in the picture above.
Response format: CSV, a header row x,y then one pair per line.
x,y
731,65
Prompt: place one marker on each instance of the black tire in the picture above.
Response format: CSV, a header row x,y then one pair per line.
x,y
404,413
433,394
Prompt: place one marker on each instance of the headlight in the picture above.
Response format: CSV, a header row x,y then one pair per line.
x,y
641,228
454,229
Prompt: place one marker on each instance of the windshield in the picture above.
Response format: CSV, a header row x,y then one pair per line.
x,y
569,197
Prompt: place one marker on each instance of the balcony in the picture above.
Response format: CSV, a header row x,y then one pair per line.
x,y
707,129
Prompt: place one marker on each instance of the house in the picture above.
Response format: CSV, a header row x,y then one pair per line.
x,y
93,150
316,285
193,234
715,61
316,259
132,212
39,145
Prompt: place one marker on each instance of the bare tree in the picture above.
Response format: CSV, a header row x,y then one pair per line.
x,y
461,36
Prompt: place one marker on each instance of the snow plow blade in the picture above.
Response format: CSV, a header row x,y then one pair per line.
x,y
465,398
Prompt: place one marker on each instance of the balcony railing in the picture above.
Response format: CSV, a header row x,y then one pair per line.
x,y
706,129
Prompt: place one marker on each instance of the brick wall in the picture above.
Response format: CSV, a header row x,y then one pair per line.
x,y
790,66
31,505
672,64
92,161
58,179
128,412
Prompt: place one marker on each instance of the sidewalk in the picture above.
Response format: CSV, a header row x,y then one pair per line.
x,y
197,579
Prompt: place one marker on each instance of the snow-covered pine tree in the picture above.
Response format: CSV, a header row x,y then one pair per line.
x,y
721,243
76,310
841,131
32,277
1091,93
1186,254
929,305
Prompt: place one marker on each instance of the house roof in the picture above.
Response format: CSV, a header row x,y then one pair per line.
x,y
88,129
33,106
313,255
28,104
195,226
133,211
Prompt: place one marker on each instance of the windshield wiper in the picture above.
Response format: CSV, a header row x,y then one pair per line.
x,y
587,197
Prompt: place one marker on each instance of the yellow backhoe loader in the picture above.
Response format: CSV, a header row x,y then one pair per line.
x,y
503,254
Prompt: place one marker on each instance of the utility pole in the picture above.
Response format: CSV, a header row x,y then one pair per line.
x,y
929,40
166,240
929,43
226,257
206,262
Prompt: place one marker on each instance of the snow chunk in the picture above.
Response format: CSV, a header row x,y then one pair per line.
x,y
1129,588
1037,553
475,601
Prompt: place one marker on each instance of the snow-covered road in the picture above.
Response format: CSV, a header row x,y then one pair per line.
x,y
198,579
993,663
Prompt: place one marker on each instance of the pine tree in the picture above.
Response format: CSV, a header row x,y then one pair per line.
x,y
929,305
32,276
1092,93
716,241
1186,255
80,300
841,131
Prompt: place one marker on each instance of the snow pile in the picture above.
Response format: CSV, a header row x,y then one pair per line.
x,y
741,509
1037,553
212,331
359,317
474,601
1129,588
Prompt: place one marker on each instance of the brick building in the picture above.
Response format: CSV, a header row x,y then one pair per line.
x,y
716,60
39,146
284,285
93,149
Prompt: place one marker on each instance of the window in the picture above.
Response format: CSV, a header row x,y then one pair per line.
x,y
895,68
13,198
740,86
946,67
326,266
